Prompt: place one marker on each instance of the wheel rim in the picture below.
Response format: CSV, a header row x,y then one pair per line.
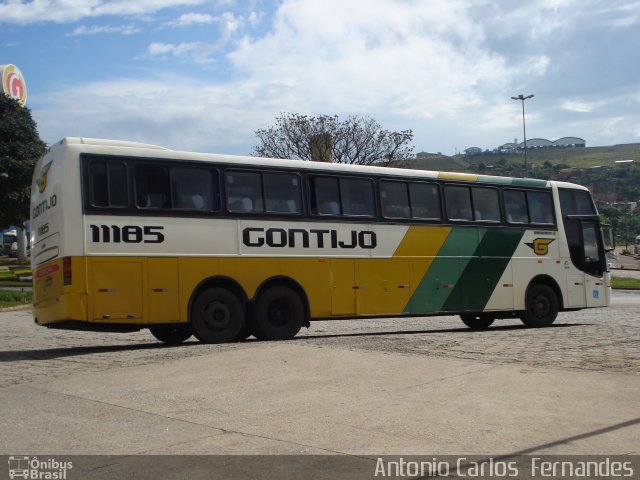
x,y
541,306
217,316
279,314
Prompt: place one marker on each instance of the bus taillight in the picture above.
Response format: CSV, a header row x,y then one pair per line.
x,y
66,270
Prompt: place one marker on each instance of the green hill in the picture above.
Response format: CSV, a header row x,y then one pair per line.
x,y
576,157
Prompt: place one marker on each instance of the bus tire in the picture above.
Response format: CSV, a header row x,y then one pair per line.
x,y
171,334
278,314
477,321
542,306
217,316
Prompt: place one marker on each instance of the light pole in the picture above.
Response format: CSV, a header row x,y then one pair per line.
x,y
522,98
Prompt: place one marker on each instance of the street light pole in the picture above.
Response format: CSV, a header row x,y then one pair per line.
x,y
522,98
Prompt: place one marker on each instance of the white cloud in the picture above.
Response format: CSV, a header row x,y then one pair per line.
x,y
404,63
229,25
187,19
97,29
578,106
171,111
443,69
415,59
197,52
61,11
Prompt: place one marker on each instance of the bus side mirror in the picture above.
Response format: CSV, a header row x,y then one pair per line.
x,y
609,238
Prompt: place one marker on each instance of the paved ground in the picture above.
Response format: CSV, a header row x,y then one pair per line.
x,y
605,340
418,386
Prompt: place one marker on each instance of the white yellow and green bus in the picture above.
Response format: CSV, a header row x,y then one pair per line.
x,y
127,236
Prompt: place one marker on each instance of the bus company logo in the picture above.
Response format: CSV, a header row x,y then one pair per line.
x,y
540,246
41,181
33,468
13,84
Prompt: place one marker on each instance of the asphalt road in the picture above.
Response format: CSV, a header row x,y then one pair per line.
x,y
387,386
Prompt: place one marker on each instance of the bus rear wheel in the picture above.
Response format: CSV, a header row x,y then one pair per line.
x,y
171,334
217,316
542,306
476,321
278,314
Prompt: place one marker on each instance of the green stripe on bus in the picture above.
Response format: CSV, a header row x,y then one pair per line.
x,y
483,272
513,182
530,182
441,278
466,270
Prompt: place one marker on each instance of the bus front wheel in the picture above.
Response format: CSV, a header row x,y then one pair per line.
x,y
278,314
542,306
477,322
217,316
171,334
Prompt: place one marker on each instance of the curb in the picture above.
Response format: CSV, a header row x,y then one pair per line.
x,y
15,309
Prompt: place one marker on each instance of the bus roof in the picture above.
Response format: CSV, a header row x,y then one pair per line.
x,y
138,149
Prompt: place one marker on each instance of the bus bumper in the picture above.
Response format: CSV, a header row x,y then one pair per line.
x,y
69,307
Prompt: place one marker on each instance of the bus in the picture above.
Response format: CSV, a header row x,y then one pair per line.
x,y
128,236
9,237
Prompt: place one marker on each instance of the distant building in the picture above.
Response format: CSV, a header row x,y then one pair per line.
x,y
537,143
570,142
428,156
507,148
472,151
532,143
563,142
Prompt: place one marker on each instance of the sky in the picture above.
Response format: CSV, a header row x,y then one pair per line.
x,y
205,75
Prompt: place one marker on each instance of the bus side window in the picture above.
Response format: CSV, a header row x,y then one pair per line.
x,y
108,184
282,192
194,188
458,201
152,186
486,205
515,206
394,198
357,197
540,207
324,196
576,202
244,192
425,201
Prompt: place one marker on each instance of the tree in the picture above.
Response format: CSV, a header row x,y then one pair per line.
x,y
356,140
20,148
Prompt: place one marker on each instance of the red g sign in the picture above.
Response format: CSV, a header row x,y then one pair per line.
x,y
13,84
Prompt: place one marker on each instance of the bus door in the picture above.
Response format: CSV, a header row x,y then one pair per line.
x,y
587,254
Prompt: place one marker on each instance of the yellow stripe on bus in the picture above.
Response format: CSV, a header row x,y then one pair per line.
x,y
458,176
422,245
422,241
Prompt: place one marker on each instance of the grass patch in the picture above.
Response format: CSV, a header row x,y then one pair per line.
x,y
14,298
625,283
